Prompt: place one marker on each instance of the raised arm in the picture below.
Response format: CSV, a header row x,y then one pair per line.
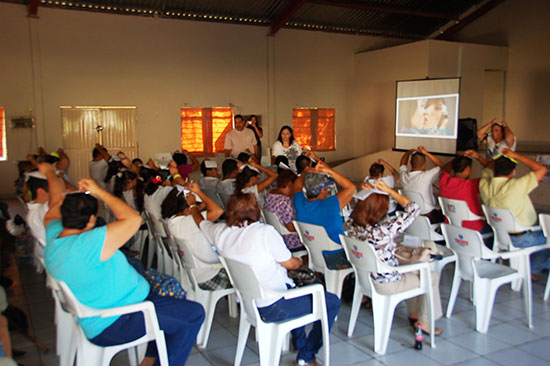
x,y
429,155
271,176
382,186
213,211
127,221
64,160
475,155
484,130
103,151
194,160
537,168
392,170
405,158
510,137
348,188
55,188
126,162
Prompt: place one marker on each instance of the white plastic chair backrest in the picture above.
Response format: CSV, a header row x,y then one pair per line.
x,y
189,260
502,221
272,219
362,256
467,244
544,222
156,226
415,197
244,280
316,239
70,302
457,211
421,228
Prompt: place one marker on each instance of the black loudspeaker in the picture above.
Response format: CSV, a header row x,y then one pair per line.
x,y
467,134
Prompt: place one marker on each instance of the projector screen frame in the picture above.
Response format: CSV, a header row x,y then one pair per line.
x,y
455,131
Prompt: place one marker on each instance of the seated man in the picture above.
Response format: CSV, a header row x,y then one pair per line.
x,y
209,179
88,260
420,180
230,170
459,186
315,207
499,189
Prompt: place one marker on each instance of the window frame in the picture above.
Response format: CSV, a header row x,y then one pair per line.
x,y
314,127
207,130
3,137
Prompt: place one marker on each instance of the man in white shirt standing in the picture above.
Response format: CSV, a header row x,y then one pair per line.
x,y
240,140
99,165
420,180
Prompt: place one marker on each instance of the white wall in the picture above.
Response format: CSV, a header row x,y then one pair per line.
x,y
160,65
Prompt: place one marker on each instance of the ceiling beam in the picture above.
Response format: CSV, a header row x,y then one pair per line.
x,y
33,9
283,17
384,9
482,10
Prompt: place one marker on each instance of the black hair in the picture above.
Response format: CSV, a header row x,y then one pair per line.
x,y
155,180
280,139
179,158
95,152
504,166
120,183
229,166
173,204
244,157
114,167
24,166
238,116
76,210
461,162
137,161
302,162
203,168
417,159
243,178
376,170
35,183
51,159
281,159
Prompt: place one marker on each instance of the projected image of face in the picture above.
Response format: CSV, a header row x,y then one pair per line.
x,y
435,114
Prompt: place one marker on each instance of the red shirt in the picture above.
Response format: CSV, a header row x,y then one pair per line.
x,y
464,190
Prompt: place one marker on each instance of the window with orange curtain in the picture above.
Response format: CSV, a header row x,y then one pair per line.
x,y
3,147
203,130
314,127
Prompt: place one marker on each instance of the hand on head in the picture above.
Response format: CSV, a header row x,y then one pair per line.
x,y
89,185
193,187
366,185
382,186
421,148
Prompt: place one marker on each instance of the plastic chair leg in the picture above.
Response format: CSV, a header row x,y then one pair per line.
x,y
454,293
232,303
517,264
151,248
527,290
485,297
204,333
244,329
382,311
547,290
355,308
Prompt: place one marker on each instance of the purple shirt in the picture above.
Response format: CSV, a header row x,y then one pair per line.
x,y
282,206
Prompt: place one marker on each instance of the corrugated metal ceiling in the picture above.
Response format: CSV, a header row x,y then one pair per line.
x,y
413,19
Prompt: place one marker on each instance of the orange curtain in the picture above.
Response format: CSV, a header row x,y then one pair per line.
x,y
314,128
203,130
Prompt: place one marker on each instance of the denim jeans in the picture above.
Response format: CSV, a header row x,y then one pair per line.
x,y
286,309
179,319
539,260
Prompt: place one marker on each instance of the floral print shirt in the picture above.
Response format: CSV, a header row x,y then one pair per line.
x,y
382,236
282,206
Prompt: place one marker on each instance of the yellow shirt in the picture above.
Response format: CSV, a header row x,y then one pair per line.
x,y
513,194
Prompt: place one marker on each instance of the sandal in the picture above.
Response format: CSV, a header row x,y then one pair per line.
x,y
438,331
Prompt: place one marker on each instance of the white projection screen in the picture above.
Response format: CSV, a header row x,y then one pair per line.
x,y
426,113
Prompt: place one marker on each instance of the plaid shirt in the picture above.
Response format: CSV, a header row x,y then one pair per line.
x,y
282,206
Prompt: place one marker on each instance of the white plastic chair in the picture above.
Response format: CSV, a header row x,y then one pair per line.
x,y
270,336
486,276
503,221
544,221
164,259
178,269
417,197
457,211
272,219
364,260
90,354
208,299
316,240
215,197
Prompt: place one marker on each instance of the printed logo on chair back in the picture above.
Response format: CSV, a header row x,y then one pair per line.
x,y
356,253
451,208
495,218
308,236
460,240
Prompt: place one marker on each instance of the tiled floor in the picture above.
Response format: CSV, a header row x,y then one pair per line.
x,y
508,342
